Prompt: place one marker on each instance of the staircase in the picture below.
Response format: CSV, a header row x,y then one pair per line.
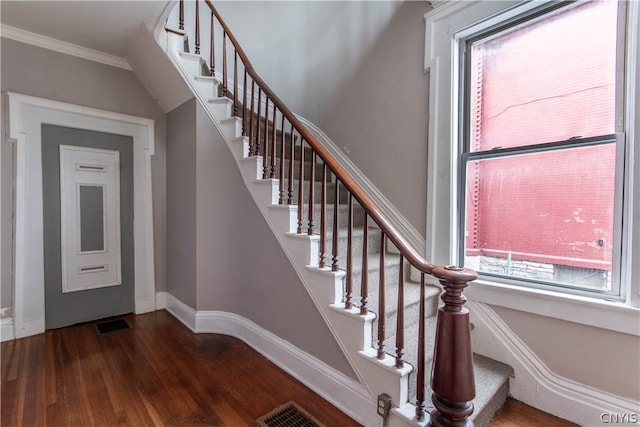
x,y
352,260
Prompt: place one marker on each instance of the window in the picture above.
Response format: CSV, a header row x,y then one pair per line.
x,y
542,148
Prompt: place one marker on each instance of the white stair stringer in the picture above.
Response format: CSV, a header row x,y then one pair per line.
x,y
351,330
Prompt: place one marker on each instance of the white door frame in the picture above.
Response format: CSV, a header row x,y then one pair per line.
x,y
25,116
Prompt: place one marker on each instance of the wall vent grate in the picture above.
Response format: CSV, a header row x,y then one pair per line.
x,y
288,415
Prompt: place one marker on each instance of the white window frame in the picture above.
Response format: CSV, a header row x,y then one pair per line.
x,y
446,27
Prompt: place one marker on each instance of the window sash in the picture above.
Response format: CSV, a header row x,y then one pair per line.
x,y
466,155
619,141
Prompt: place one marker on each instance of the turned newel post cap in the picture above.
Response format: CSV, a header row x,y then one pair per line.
x,y
455,274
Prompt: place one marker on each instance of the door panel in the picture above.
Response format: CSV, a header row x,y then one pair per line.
x,y
88,225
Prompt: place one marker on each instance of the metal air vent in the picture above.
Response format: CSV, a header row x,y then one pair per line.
x,y
288,415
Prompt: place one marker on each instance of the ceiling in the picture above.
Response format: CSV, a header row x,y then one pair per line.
x,y
105,26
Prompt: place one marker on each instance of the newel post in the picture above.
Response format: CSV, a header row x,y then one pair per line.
x,y
452,378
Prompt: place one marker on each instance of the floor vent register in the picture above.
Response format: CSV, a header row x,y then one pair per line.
x,y
288,415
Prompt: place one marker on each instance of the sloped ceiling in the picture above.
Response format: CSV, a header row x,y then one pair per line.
x,y
108,27
105,26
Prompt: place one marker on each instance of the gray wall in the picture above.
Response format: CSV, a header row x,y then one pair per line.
x,y
220,251
356,70
181,203
34,71
381,114
306,51
6,222
599,358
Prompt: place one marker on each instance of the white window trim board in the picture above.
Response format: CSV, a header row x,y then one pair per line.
x,y
444,26
25,116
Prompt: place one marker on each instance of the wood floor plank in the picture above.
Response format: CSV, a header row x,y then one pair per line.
x,y
157,373
518,414
9,390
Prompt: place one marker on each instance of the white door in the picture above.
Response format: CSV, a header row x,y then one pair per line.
x,y
90,218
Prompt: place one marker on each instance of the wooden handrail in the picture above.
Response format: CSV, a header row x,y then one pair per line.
x,y
392,233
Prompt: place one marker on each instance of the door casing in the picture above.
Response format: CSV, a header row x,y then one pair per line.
x,y
25,117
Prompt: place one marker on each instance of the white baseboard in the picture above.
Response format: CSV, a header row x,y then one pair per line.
x,y
6,329
28,328
341,391
161,300
180,310
534,383
145,306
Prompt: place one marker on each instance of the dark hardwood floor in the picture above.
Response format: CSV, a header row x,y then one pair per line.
x,y
517,414
156,373
160,373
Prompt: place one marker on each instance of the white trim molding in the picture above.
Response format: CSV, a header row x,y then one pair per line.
x,y
181,311
533,382
44,42
6,329
332,385
25,116
594,312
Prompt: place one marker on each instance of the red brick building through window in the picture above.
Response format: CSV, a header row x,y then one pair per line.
x,y
544,214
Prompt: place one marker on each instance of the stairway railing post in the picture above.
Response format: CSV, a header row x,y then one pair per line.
x,y
181,17
452,378
197,51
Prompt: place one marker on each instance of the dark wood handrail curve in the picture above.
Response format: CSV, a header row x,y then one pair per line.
x,y
452,371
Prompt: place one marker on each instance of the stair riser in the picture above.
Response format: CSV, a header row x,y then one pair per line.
x,y
221,108
284,217
191,64
210,90
240,148
231,128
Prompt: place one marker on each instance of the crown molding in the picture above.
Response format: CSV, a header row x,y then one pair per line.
x,y
63,47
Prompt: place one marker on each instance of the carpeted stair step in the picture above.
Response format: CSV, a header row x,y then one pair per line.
x,y
491,377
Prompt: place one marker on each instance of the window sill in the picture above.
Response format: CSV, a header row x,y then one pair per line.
x,y
614,316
